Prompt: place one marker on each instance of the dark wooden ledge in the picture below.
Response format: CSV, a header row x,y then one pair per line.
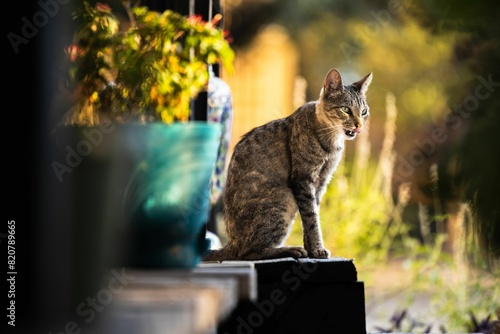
x,y
302,296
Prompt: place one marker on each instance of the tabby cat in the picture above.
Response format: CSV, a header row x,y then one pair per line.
x,y
283,167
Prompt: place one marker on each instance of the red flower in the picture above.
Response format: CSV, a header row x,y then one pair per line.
x,y
103,7
227,36
73,51
193,19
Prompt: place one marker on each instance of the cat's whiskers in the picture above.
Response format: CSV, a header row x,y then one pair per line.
x,y
329,131
325,129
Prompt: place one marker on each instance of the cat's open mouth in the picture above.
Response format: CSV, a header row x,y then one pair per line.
x,y
350,134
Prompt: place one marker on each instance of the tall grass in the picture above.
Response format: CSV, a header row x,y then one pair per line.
x,y
362,218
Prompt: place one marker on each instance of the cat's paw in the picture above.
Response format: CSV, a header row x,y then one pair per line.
x,y
319,253
295,252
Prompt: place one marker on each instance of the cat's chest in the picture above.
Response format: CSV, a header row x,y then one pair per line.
x,y
332,159
337,144
331,156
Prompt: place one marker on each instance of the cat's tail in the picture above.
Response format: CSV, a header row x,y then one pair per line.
x,y
214,255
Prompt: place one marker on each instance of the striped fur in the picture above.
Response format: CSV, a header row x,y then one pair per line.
x,y
282,168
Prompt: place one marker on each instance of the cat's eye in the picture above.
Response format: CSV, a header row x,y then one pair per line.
x,y
364,112
346,110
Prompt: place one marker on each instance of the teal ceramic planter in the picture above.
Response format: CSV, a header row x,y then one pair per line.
x,y
167,195
139,193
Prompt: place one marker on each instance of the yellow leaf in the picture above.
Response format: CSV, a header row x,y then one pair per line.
x,y
94,97
153,93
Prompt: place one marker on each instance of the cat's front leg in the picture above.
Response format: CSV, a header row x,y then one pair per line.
x,y
305,196
313,241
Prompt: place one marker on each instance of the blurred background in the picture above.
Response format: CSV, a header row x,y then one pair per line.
x,y
415,201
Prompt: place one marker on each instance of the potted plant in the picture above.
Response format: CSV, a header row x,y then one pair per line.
x,y
137,159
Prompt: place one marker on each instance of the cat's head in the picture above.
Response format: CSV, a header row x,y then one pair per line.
x,y
344,107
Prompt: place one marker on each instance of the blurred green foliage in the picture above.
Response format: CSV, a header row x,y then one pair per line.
x,y
474,159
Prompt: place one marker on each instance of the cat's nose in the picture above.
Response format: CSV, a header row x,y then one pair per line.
x,y
358,128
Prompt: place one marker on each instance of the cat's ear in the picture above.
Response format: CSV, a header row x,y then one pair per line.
x,y
363,84
333,80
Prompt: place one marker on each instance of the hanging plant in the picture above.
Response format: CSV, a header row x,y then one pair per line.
x,y
145,69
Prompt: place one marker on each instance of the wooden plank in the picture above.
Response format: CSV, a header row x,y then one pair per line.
x,y
175,302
